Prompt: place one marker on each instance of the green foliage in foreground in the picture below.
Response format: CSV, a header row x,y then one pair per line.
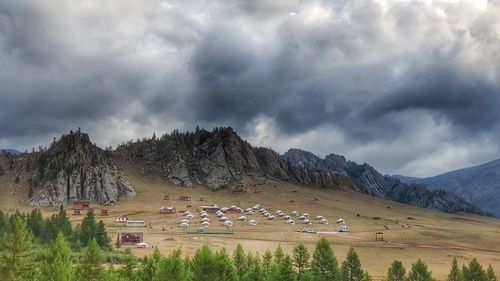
x,y
21,260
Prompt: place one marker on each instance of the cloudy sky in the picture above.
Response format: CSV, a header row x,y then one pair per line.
x,y
411,87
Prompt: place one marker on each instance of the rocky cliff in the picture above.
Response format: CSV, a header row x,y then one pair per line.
x,y
75,169
215,159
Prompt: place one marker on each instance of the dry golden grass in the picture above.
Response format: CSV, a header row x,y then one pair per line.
x,y
433,236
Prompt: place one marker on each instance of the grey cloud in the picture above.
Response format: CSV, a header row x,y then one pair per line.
x,y
367,71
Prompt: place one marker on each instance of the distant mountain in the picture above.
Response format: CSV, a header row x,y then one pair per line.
x,y
9,151
479,185
317,171
221,159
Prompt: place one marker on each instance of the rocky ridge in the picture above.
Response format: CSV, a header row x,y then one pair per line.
x,y
220,159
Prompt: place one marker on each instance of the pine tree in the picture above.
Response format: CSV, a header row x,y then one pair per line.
x,y
254,272
285,270
57,265
102,236
35,222
129,266
419,272
279,254
224,268
491,274
172,268
88,229
267,260
149,266
203,264
90,268
474,272
455,272
118,243
351,267
301,259
324,265
17,255
240,261
396,272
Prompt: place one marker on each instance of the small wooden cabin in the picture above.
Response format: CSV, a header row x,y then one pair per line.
x,y
132,238
184,198
121,219
104,212
81,204
77,212
168,210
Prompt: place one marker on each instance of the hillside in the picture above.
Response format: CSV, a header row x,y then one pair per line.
x,y
221,159
479,185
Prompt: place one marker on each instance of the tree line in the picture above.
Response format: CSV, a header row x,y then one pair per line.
x,y
26,256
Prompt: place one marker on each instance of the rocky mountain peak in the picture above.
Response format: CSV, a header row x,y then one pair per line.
x,y
73,168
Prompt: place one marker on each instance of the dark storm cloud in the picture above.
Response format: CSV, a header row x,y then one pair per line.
x,y
364,77
464,100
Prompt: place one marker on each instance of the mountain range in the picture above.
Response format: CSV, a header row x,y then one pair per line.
x,y
479,185
9,151
73,168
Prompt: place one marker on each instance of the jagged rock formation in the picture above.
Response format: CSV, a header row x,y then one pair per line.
x,y
215,159
75,169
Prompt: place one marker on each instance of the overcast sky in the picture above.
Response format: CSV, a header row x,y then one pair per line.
x,y
411,87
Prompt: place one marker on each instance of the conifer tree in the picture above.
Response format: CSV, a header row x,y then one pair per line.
x,y
149,266
57,265
474,272
279,254
419,272
17,255
224,267
285,270
491,274
351,267
455,272
301,259
267,260
90,268
240,261
396,272
172,268
88,229
324,265
102,236
203,264
254,272
118,243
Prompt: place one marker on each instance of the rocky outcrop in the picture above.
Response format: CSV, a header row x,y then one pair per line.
x,y
75,169
215,159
